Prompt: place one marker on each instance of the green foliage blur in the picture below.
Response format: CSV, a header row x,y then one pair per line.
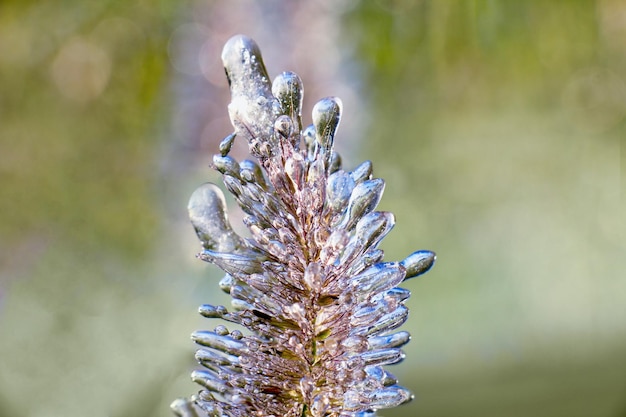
x,y
499,127
81,89
83,113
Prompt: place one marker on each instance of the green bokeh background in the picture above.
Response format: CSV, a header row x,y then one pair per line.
x,y
499,127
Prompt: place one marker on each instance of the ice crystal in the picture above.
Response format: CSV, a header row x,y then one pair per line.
x,y
318,305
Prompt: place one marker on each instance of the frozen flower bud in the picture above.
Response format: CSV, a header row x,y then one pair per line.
x,y
362,172
226,165
364,198
253,108
339,188
207,211
251,172
288,89
418,263
326,116
226,144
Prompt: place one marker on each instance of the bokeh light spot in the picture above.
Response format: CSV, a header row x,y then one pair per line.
x,y
81,70
185,46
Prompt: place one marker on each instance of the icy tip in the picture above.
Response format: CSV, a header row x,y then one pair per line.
x,y
418,263
242,60
236,45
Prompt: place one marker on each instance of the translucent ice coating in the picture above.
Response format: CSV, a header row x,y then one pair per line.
x,y
253,109
309,286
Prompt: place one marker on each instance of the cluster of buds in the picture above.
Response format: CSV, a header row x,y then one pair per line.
x,y
314,307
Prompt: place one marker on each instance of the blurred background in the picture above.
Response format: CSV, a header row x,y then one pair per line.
x,y
499,127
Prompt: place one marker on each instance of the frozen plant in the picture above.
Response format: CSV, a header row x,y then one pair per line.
x,y
317,305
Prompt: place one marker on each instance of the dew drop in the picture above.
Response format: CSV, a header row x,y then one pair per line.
x,y
326,116
221,330
253,346
226,144
283,126
288,89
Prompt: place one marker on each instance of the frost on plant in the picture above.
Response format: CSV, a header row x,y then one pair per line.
x,y
317,304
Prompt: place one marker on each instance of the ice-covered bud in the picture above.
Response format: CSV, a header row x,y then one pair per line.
x,y
207,211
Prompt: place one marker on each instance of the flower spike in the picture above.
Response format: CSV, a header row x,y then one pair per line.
x,y
317,304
